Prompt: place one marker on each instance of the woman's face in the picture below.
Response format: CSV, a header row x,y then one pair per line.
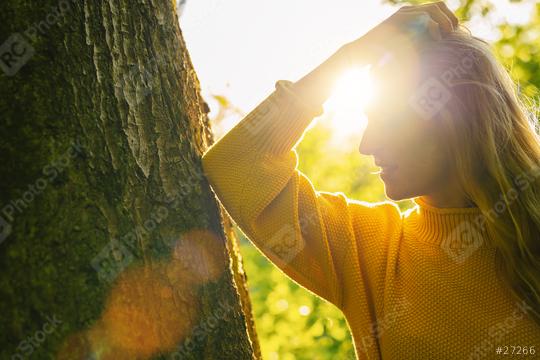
x,y
408,149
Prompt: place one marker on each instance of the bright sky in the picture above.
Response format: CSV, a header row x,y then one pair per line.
x,y
240,48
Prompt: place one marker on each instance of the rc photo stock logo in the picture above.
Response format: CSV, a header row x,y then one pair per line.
x,y
111,260
16,50
14,53
262,115
284,244
462,242
430,98
433,94
5,229
138,81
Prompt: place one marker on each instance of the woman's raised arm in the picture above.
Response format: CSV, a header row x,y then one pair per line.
x,y
308,234
317,238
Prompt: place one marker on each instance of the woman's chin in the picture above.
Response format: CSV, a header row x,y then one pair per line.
x,y
394,192
392,196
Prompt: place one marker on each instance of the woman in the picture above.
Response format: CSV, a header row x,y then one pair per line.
x,y
457,276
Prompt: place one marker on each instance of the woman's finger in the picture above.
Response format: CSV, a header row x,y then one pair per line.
x,y
419,23
434,30
453,18
436,14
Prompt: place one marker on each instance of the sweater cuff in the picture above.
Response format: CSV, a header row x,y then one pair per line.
x,y
278,123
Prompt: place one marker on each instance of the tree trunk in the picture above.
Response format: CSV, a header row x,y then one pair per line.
x,y
112,243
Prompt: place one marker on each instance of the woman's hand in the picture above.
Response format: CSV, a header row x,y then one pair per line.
x,y
413,23
433,19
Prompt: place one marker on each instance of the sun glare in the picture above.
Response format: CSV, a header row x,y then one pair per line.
x,y
351,92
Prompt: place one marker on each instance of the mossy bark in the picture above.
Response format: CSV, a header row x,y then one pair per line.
x,y
112,243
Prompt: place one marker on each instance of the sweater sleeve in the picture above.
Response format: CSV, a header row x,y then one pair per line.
x,y
310,235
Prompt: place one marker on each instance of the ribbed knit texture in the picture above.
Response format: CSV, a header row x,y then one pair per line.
x,y
414,285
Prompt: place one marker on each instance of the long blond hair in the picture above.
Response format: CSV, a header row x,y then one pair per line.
x,y
492,137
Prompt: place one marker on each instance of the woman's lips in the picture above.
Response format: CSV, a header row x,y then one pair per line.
x,y
388,170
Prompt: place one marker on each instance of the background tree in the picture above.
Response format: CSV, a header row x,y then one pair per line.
x,y
112,244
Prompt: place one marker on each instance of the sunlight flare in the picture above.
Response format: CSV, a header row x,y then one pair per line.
x,y
351,92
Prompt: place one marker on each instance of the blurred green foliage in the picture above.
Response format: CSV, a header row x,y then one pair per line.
x,y
291,322
519,49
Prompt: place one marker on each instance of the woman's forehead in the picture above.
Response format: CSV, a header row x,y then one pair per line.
x,y
390,97
394,90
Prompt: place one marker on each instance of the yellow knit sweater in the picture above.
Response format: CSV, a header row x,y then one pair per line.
x,y
409,286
